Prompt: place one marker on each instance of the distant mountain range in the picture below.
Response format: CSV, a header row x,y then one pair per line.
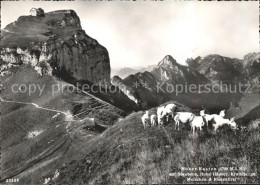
x,y
126,71
219,68
211,70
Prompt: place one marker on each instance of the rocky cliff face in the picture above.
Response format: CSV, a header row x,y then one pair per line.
x,y
55,44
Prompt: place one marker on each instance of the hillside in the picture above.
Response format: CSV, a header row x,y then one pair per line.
x,y
62,118
139,156
47,116
253,115
248,102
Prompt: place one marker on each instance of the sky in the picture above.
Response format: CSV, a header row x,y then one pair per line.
x,y
141,33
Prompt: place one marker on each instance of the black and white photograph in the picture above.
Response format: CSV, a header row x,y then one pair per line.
x,y
129,92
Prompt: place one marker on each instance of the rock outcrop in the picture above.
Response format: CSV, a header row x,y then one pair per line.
x,y
55,44
128,91
251,64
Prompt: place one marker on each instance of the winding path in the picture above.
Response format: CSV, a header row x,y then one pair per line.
x,y
35,105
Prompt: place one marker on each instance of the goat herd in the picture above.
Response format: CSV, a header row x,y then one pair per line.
x,y
165,112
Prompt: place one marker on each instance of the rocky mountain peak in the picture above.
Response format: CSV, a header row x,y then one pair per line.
x,y
56,41
167,62
169,70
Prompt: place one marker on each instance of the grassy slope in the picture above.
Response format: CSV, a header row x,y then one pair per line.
x,y
20,154
254,114
126,153
248,102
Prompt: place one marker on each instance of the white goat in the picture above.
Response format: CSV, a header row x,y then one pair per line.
x,y
197,122
209,117
220,121
145,119
183,117
169,110
153,118
47,180
160,115
56,174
